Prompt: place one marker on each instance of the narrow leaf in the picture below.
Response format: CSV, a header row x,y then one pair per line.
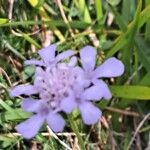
x,y
131,92
3,20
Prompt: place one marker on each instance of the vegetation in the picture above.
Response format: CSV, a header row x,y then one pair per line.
x,y
116,28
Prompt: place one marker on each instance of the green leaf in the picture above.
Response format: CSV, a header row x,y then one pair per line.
x,y
3,20
128,49
28,72
16,114
122,40
121,23
144,16
146,80
126,10
11,114
143,49
40,3
57,23
113,2
13,50
147,26
131,92
81,4
7,138
5,105
36,3
31,40
99,11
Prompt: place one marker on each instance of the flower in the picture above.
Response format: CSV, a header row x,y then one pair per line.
x,y
112,67
89,88
63,87
51,84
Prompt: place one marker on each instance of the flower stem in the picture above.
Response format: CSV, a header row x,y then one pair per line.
x,y
76,131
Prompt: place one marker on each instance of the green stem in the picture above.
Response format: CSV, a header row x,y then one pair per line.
x,y
57,23
76,131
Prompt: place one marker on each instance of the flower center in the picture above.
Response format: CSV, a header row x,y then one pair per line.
x,y
54,83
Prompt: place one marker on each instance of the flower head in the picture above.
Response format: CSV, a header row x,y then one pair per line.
x,y
62,87
52,83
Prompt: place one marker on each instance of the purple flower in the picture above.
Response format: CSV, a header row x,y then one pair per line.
x,y
51,84
48,56
63,87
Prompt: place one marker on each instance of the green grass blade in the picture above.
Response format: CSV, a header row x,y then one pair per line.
x,y
123,38
13,50
99,11
144,52
128,49
131,92
3,20
121,23
5,105
145,80
17,114
147,27
57,23
31,40
126,10
144,16
81,4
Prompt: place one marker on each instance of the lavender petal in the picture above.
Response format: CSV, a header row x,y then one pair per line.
x,y
39,72
106,94
64,55
112,67
90,114
30,127
55,122
31,105
22,89
73,61
68,104
98,91
48,53
80,77
93,93
34,62
88,58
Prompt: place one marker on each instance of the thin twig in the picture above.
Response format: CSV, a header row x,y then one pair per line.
x,y
138,139
19,34
123,112
137,130
134,74
2,71
64,17
10,10
66,134
55,136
